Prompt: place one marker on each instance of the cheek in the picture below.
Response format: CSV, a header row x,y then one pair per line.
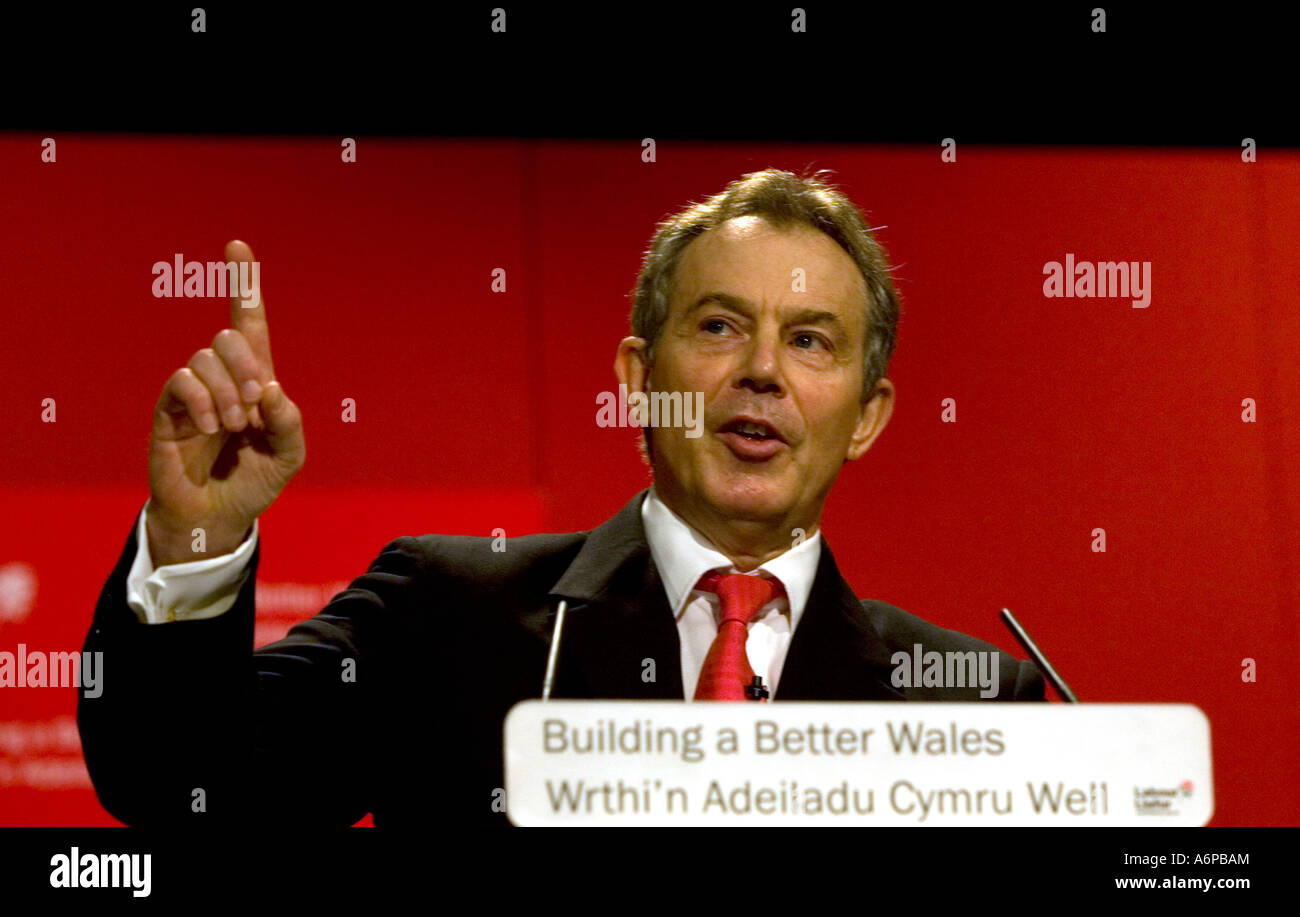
x,y
830,418
684,452
672,376
698,368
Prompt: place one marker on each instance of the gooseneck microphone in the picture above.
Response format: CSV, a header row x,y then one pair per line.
x,y
1037,655
557,633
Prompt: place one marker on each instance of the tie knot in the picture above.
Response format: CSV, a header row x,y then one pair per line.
x,y
741,594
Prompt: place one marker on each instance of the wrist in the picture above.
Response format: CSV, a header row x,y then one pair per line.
x,y
174,542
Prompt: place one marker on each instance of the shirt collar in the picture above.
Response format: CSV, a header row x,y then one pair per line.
x,y
682,555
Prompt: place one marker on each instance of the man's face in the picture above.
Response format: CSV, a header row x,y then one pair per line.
x,y
781,372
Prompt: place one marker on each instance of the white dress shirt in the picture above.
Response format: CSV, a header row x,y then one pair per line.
x,y
185,592
207,588
682,555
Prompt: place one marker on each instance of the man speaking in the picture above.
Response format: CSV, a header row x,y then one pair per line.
x,y
772,302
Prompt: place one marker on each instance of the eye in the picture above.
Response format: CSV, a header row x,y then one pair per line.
x,y
812,339
714,325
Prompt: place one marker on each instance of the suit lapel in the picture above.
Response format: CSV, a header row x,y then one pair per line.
x,y
618,622
836,653
619,617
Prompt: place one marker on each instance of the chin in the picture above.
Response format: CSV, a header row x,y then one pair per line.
x,y
749,498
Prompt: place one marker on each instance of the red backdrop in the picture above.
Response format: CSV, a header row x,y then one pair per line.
x,y
476,409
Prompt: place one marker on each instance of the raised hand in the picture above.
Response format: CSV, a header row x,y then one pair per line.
x,y
226,438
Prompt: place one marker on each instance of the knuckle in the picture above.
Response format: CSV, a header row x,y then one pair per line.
x,y
197,398
222,389
185,385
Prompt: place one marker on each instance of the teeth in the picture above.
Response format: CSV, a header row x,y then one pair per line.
x,y
752,428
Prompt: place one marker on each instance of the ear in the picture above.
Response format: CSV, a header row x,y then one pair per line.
x,y
630,364
633,370
874,415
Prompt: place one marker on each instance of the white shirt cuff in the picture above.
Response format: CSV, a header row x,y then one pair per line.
x,y
185,592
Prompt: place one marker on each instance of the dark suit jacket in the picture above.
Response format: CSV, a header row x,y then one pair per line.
x,y
443,635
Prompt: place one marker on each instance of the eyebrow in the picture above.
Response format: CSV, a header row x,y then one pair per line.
x,y
742,305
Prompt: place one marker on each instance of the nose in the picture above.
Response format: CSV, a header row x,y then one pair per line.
x,y
760,370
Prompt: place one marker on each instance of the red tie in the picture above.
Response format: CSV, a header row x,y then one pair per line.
x,y
726,670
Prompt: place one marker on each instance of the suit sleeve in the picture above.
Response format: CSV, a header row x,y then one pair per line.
x,y
1030,684
194,727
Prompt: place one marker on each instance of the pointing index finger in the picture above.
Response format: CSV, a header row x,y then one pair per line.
x,y
248,312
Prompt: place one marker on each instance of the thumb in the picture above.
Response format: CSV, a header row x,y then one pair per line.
x,y
282,418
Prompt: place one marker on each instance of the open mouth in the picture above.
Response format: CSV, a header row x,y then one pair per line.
x,y
750,439
750,430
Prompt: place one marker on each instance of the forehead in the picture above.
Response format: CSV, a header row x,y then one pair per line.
x,y
749,257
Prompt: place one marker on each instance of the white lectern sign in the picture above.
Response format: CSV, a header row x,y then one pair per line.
x,y
803,763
